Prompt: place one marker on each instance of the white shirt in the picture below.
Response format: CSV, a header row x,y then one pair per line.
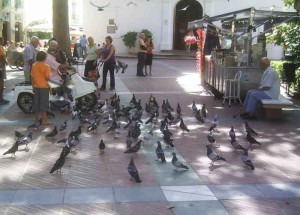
x,y
271,79
51,61
91,52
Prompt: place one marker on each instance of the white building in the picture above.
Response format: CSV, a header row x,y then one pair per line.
x,y
166,19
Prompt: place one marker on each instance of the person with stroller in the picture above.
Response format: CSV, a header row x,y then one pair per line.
x,y
108,57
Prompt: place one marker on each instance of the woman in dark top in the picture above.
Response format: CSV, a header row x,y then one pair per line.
x,y
108,57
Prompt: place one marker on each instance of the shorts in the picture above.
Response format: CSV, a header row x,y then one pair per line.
x,y
40,100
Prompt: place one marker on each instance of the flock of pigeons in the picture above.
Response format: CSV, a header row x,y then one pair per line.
x,y
111,111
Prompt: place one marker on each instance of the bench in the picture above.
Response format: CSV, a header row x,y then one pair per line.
x,y
273,107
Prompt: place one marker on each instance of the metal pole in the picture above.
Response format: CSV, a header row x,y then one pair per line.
x,y
250,35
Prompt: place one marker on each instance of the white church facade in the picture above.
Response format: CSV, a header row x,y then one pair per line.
x,y
166,19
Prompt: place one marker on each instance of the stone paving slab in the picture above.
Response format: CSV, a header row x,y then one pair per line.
x,y
89,196
275,178
142,194
188,193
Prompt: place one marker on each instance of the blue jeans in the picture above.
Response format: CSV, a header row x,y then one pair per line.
x,y
252,98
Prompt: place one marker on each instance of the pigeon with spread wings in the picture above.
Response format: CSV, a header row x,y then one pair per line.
x,y
98,7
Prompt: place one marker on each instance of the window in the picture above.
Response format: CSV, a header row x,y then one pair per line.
x,y
6,3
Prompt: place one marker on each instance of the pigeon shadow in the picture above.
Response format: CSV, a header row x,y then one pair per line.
x,y
215,167
11,158
24,150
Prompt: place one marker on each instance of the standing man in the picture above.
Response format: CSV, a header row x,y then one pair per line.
x,y
83,43
2,71
29,56
142,51
269,88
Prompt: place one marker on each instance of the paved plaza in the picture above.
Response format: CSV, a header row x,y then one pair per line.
x,y
95,183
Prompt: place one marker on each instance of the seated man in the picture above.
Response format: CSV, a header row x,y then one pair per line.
x,y
269,88
56,67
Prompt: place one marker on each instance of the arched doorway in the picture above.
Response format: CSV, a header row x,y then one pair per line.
x,y
185,11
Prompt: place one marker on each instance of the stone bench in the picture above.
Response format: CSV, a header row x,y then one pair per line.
x,y
273,107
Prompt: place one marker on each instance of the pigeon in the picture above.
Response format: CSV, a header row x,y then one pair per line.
x,y
236,145
194,107
246,160
176,163
251,139
133,172
168,140
183,126
122,66
26,140
129,140
160,152
232,134
135,148
212,140
169,107
13,149
198,116
213,156
53,133
117,131
214,123
133,100
99,8
66,150
93,127
63,126
83,119
101,146
178,109
249,129
77,133
58,164
203,110
19,135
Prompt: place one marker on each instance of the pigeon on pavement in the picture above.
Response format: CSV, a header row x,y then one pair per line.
x,y
101,146
213,156
26,140
133,172
13,149
176,163
251,139
135,148
53,133
58,164
183,126
160,152
246,160
249,129
63,126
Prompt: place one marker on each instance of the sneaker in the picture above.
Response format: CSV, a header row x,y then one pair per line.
x,y
4,102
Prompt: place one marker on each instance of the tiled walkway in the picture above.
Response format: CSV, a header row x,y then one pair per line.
x,y
94,183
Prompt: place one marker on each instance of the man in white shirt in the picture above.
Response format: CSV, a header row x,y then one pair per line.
x,y
269,88
29,56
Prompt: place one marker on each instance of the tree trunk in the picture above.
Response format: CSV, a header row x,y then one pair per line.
x,y
61,24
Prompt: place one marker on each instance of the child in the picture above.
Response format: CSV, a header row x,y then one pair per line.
x,y
40,73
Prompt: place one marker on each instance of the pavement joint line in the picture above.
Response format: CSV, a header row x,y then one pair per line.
x,y
27,165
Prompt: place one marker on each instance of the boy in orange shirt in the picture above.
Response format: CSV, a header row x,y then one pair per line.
x,y
40,73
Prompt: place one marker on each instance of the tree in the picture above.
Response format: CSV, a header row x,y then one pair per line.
x,y
61,24
287,35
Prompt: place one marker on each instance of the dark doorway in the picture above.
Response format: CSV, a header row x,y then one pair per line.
x,y
185,11
5,31
18,32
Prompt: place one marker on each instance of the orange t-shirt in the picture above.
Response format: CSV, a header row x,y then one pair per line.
x,y
40,73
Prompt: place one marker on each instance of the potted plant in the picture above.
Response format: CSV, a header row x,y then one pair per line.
x,y
129,39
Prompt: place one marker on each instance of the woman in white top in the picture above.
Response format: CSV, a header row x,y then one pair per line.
x,y
91,56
